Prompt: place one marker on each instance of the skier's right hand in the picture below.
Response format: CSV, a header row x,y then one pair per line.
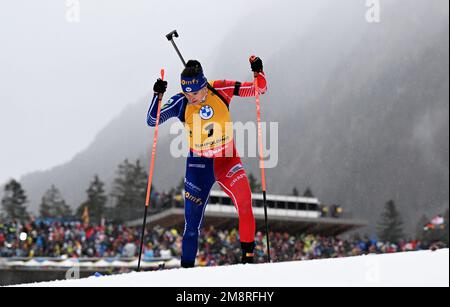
x,y
160,86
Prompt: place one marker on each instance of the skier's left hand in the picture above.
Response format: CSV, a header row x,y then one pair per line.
x,y
256,64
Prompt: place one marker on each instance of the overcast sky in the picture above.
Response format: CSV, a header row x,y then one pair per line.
x,y
61,82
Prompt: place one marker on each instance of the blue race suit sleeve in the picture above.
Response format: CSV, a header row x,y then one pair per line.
x,y
172,108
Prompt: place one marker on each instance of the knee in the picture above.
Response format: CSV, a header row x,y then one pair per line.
x,y
245,207
190,234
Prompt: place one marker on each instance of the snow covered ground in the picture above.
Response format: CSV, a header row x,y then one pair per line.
x,y
424,268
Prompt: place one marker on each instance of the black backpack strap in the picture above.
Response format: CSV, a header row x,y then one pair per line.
x,y
183,111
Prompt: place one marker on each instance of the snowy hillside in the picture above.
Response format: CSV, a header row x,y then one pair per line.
x,y
424,268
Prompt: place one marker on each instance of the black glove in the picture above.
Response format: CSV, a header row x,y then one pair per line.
x,y
256,64
160,86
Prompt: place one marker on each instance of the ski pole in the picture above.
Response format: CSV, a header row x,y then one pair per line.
x,y
261,161
150,173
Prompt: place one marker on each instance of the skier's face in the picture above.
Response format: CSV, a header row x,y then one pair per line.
x,y
197,97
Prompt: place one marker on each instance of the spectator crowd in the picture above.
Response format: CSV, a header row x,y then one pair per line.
x,y
217,247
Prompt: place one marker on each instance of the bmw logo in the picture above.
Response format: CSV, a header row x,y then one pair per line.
x,y
188,89
206,112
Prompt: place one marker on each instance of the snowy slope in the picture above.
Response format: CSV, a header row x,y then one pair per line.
x,y
424,268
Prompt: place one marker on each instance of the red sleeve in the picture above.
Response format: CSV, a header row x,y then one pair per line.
x,y
228,88
247,89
